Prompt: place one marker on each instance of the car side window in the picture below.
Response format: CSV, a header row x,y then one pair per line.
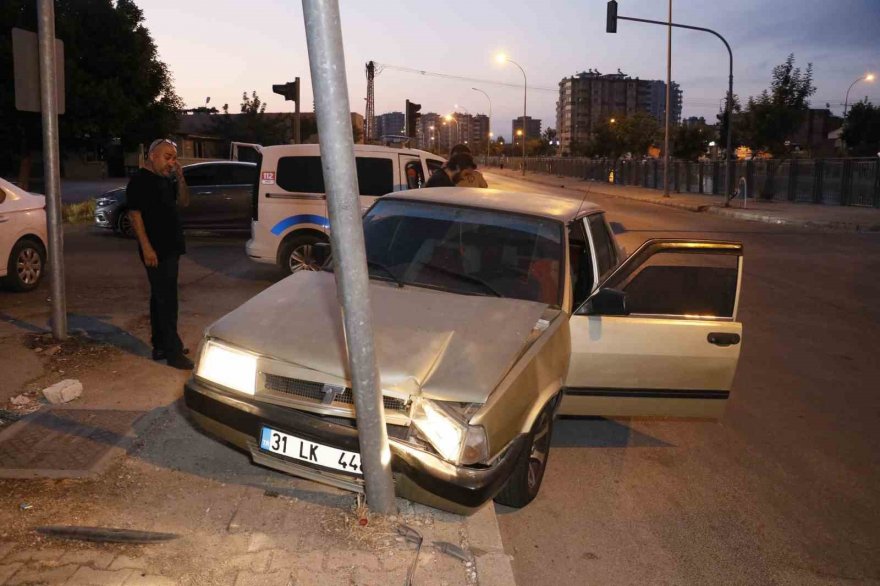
x,y
375,175
300,174
433,165
606,253
243,174
200,175
581,261
680,284
223,175
415,177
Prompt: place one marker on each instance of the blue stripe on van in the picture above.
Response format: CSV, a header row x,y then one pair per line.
x,y
289,221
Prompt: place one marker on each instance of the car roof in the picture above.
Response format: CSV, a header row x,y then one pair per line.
x,y
546,205
358,147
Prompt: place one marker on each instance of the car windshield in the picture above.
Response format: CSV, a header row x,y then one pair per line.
x,y
465,250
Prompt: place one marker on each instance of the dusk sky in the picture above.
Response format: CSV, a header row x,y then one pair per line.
x,y
220,48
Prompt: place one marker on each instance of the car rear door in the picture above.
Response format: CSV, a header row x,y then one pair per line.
x,y
674,349
238,195
412,174
204,207
375,177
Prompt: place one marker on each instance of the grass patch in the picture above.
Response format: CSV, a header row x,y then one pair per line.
x,y
78,213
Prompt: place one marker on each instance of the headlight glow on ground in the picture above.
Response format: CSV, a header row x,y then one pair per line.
x,y
227,367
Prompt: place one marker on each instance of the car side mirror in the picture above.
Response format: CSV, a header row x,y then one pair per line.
x,y
606,302
321,253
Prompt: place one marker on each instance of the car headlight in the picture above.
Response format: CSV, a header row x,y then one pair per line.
x,y
102,202
446,429
228,367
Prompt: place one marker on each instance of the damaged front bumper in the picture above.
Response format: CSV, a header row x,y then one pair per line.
x,y
419,476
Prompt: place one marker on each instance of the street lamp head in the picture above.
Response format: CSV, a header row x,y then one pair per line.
x,y
613,120
869,77
448,117
519,132
501,58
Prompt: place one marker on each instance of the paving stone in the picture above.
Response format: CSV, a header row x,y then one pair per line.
x,y
353,559
312,561
323,579
141,579
256,562
365,578
259,542
97,559
123,562
46,554
279,578
482,530
5,548
494,569
85,575
397,559
42,575
7,570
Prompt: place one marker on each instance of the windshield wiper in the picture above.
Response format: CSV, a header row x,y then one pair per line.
x,y
374,263
464,277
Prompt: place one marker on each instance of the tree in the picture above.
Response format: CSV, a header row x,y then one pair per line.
x,y
116,86
689,142
775,115
861,129
636,133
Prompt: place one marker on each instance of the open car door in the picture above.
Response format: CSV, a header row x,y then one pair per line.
x,y
659,336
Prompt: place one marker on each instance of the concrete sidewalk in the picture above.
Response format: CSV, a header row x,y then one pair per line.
x,y
849,218
237,524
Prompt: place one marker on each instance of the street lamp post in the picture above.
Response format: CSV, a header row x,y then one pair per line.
x,y
502,59
489,136
866,77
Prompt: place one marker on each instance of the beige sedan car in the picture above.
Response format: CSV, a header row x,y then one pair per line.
x,y
493,313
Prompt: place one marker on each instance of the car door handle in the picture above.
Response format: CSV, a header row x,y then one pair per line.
x,y
204,193
723,339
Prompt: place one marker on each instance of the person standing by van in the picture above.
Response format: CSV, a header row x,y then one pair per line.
x,y
154,194
453,171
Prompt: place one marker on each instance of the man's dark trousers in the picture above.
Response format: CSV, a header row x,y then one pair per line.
x,y
163,306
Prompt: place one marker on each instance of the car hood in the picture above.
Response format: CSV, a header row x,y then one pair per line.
x,y
439,345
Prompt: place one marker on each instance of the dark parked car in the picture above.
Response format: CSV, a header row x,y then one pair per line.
x,y
220,199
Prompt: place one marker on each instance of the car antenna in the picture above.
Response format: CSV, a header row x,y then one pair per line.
x,y
583,201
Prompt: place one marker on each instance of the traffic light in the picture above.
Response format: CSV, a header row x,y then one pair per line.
x,y
412,118
289,90
611,22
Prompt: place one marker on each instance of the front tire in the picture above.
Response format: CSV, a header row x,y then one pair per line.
x,y
26,265
297,254
525,481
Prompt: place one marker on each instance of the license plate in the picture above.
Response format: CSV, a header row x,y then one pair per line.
x,y
306,451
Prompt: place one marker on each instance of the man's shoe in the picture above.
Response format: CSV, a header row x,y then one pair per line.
x,y
180,362
159,354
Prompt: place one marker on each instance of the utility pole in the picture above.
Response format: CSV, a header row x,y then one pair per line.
x,y
51,168
668,104
327,65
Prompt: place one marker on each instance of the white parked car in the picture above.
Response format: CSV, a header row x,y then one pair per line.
x,y
22,237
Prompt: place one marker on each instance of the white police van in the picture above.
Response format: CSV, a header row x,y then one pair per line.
x,y
289,207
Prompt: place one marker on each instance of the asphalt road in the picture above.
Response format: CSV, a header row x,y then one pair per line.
x,y
784,488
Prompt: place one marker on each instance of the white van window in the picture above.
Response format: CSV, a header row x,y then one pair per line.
x,y
300,174
375,175
433,165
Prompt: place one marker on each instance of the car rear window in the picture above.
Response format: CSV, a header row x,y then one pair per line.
x,y
243,174
201,175
375,175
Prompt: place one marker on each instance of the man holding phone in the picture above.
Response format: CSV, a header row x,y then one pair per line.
x,y
154,194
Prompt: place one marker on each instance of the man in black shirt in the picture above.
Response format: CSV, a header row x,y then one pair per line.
x,y
449,174
154,194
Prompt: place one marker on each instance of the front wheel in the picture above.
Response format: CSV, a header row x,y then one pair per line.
x,y
26,266
525,480
123,224
298,254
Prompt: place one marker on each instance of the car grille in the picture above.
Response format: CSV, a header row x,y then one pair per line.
x,y
313,391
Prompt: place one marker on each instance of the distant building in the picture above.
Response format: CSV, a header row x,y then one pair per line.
x,y
390,124
813,134
428,131
533,128
694,121
590,98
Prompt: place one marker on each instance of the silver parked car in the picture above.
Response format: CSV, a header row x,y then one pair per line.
x,y
220,199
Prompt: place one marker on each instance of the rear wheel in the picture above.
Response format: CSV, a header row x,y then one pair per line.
x,y
525,480
123,224
27,263
298,254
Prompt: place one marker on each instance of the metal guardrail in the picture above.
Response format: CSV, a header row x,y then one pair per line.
x,y
846,182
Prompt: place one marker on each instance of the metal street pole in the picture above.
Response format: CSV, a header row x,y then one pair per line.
x,y
729,84
489,130
327,66
668,104
51,169
866,77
